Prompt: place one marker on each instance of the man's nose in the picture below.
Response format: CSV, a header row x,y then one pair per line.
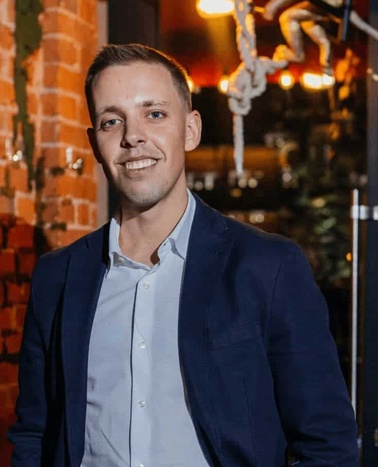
x,y
134,134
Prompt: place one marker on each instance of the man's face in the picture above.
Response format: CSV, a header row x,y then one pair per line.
x,y
141,132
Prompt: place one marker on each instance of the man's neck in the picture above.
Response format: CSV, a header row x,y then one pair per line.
x,y
142,232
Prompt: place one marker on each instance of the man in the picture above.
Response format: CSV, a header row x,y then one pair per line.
x,y
173,336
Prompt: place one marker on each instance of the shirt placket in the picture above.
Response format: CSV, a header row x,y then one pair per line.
x,y
140,431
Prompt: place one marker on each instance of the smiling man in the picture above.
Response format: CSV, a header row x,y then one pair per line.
x,y
173,336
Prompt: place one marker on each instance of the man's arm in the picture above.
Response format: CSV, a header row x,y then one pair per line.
x,y
26,434
312,398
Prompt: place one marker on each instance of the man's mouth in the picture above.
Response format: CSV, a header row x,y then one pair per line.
x,y
140,164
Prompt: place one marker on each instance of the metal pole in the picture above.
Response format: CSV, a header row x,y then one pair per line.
x,y
355,214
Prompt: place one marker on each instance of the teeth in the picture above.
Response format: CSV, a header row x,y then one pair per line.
x,y
141,164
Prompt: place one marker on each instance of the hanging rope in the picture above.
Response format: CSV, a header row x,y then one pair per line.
x,y
249,79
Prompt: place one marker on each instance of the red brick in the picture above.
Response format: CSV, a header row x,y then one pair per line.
x,y
57,76
60,51
2,175
54,157
18,293
51,211
7,261
7,92
70,236
73,135
94,216
11,12
2,294
87,11
8,373
7,318
90,190
13,392
6,35
58,104
84,116
6,205
21,235
82,214
33,103
56,21
50,131
26,262
18,176
51,3
5,447
5,400
7,221
13,343
67,211
25,209
20,316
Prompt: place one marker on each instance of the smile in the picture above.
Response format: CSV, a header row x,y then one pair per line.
x,y
140,164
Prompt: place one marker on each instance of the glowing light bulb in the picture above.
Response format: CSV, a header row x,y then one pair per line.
x,y
223,84
214,8
316,82
286,80
328,81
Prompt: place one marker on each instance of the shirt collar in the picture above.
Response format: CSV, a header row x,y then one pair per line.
x,y
178,238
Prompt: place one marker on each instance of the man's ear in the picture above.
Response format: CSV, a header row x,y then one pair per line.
x,y
193,130
93,143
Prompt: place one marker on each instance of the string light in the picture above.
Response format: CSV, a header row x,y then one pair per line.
x,y
214,8
286,80
317,82
223,84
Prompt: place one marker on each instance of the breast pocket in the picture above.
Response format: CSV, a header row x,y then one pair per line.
x,y
235,335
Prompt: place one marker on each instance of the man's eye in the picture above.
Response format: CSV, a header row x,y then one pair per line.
x,y
156,114
110,123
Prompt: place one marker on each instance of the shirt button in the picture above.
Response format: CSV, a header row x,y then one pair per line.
x,y
142,345
142,404
146,285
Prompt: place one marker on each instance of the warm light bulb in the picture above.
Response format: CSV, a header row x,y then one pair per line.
x,y
328,81
286,80
214,8
223,84
316,82
312,81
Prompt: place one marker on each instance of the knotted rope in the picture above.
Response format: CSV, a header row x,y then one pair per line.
x,y
249,79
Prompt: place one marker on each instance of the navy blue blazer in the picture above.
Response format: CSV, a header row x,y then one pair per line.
x,y
260,365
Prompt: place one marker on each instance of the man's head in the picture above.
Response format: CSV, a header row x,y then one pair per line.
x,y
142,125
127,54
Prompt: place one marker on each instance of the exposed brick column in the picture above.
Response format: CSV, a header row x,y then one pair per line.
x,y
60,205
69,43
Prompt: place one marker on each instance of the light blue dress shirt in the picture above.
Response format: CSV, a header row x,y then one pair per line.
x,y
137,415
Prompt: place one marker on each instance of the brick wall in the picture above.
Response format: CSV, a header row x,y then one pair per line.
x,y
59,205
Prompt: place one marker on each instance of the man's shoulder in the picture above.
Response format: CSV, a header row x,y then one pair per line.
x,y
57,258
252,237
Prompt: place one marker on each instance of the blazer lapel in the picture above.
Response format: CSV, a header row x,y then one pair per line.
x,y
208,250
85,274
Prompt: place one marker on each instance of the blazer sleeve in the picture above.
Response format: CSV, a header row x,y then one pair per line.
x,y
311,394
27,433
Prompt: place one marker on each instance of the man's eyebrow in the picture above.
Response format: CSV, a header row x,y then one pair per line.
x,y
154,103
109,109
